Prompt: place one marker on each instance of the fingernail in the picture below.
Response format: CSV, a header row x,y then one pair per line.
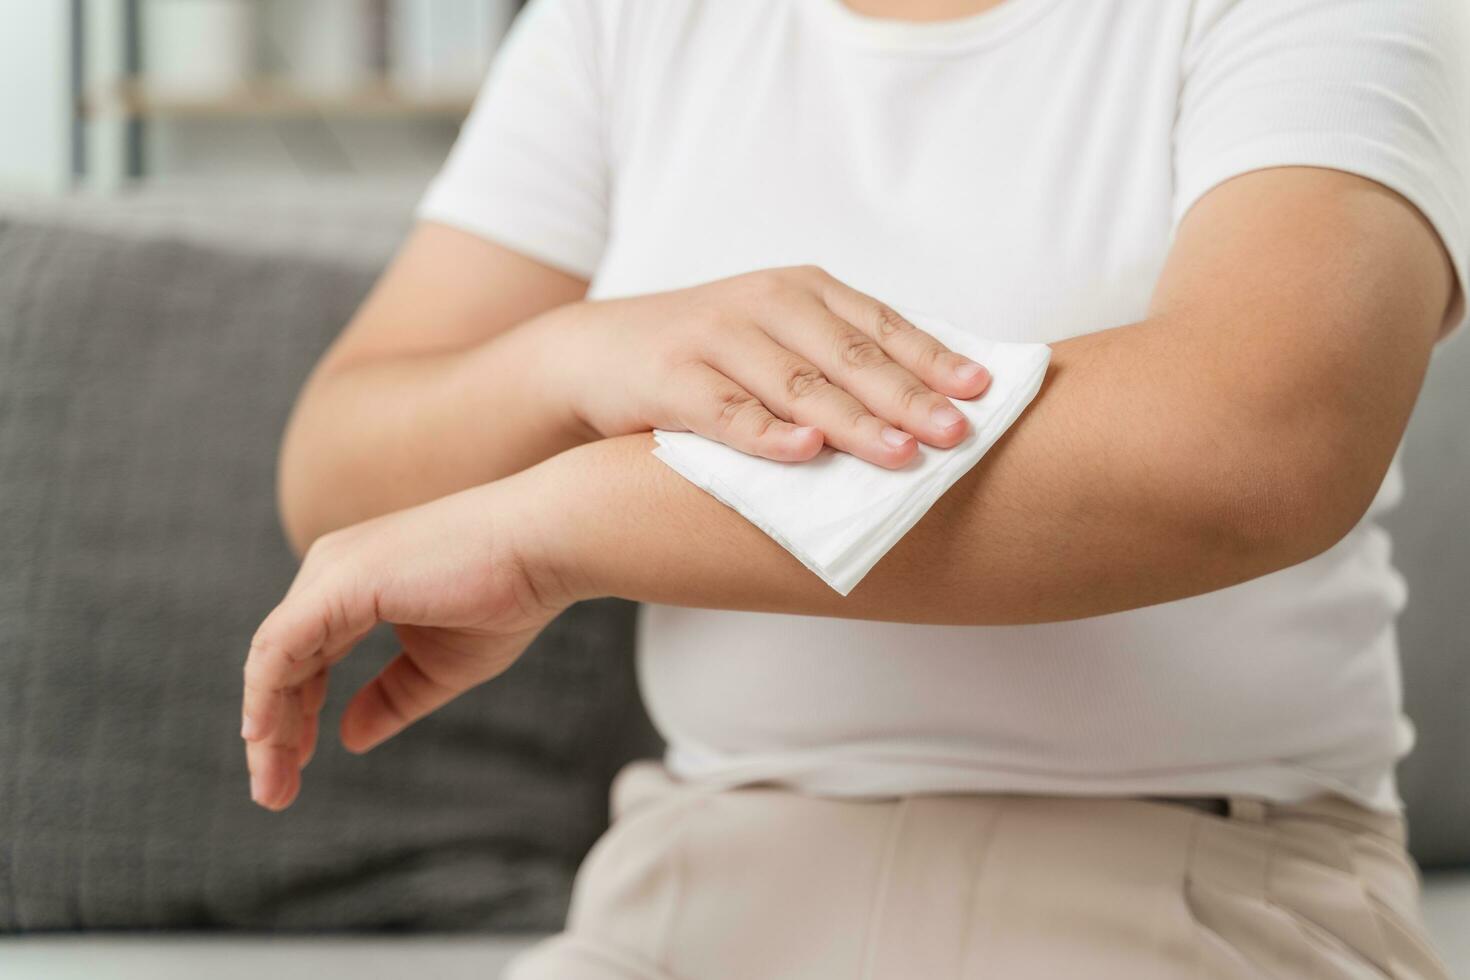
x,y
895,438
249,728
803,431
968,370
255,788
946,416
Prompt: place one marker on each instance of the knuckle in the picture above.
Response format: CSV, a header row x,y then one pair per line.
x,y
887,323
800,278
803,381
259,679
733,405
855,417
914,394
765,424
768,282
324,548
341,612
932,355
860,353
264,645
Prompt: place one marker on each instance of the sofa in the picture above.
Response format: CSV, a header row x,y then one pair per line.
x,y
150,348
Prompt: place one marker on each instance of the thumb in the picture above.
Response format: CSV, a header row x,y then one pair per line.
x,y
400,695
434,668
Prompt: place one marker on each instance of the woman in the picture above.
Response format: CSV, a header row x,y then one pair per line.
x,y
1125,702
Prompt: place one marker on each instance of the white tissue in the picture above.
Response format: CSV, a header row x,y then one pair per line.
x,y
839,514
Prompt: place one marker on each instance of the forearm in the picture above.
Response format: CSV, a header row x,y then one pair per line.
x,y
1135,477
375,436
1244,426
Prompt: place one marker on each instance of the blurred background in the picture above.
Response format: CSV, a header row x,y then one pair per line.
x,y
112,94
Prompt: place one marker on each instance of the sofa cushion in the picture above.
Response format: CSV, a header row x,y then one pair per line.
x,y
144,383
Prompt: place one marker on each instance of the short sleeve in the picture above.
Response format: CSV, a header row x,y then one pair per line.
x,y
529,170
1377,88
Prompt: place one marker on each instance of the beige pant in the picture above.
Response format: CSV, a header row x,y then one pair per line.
x,y
762,882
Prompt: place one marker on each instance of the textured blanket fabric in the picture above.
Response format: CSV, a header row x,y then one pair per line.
x,y
144,383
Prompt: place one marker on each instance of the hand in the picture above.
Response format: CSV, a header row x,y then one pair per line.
x,y
447,574
773,363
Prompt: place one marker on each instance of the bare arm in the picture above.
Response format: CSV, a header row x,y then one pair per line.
x,y
429,389
1242,427
470,362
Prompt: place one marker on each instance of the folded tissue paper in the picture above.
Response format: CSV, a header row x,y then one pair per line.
x,y
839,514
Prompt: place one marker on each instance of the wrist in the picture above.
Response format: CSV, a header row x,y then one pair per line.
x,y
567,350
538,364
582,518
548,514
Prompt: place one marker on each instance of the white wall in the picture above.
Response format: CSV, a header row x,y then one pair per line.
x,y
35,95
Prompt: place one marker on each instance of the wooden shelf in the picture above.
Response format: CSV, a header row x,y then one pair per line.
x,y
271,99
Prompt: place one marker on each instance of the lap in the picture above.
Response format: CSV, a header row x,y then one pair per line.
x,y
699,884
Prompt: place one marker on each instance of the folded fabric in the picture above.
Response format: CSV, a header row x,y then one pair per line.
x,y
839,514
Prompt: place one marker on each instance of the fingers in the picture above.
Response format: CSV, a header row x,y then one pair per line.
x,y
436,666
925,357
728,413
440,565
401,694
314,693
775,354
285,681
274,761
276,664
856,363
311,629
793,387
310,729
313,698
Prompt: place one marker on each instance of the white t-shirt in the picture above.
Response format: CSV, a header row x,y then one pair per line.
x,y
1021,173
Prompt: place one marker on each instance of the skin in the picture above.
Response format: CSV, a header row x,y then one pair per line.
x,y
1160,461
452,346
921,10
430,360
1163,459
777,363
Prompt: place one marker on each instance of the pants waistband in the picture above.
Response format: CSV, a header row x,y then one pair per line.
x,y
1218,805
647,778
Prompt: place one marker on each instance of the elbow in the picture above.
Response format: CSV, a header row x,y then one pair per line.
x,y
327,472
1292,503
296,506
304,483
